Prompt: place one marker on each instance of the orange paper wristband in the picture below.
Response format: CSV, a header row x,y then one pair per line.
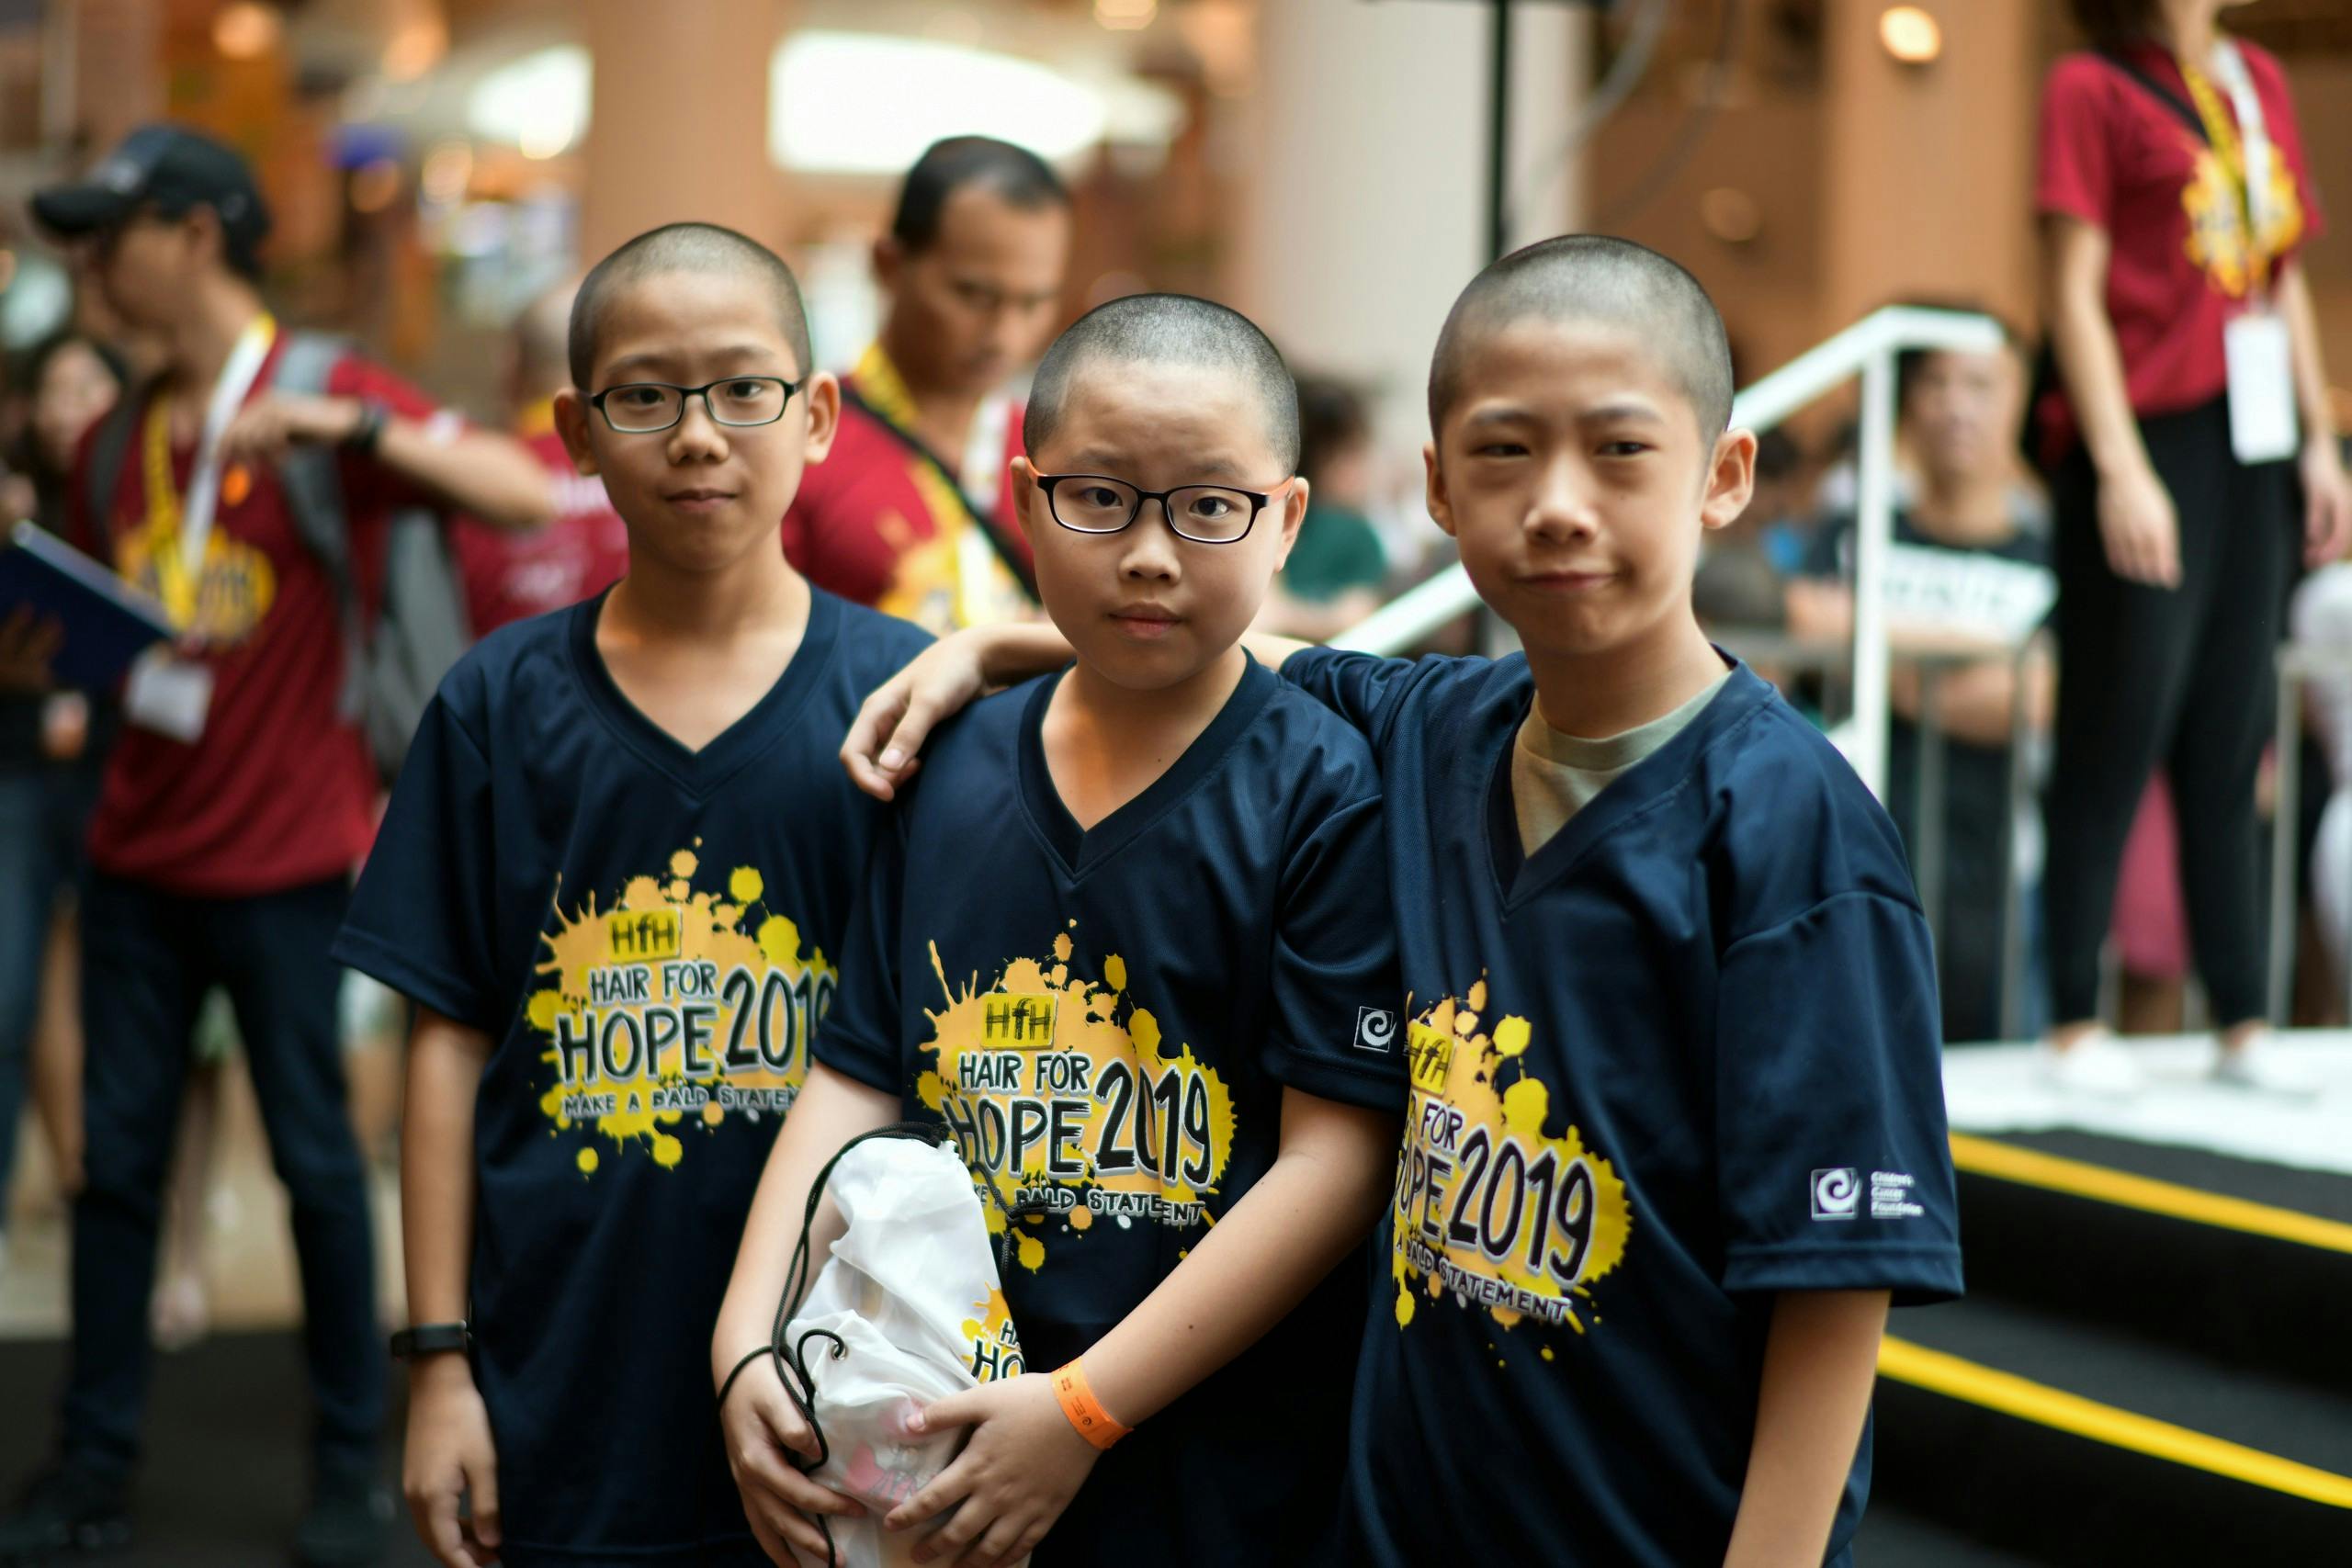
x,y
1085,1411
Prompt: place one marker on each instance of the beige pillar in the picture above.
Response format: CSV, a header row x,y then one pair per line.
x,y
678,126
1928,169
1366,204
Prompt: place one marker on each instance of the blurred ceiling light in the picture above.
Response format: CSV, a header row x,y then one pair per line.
x,y
1125,15
870,104
1910,34
247,30
538,105
375,185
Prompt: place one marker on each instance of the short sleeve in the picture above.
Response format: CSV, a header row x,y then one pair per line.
x,y
2286,134
1336,996
2074,161
1361,689
423,920
861,1035
1834,1163
372,486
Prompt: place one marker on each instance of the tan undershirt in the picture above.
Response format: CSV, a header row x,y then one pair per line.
x,y
1554,776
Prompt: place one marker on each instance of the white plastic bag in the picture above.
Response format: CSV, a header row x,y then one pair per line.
x,y
911,1294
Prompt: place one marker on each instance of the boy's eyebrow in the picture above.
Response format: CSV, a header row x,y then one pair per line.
x,y
1622,410
656,358
1099,460
1511,413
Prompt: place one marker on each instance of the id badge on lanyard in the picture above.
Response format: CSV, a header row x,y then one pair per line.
x,y
168,695
2254,343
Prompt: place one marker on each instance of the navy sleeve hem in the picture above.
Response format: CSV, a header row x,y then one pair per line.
x,y
364,952
853,1058
1918,1273
1367,1087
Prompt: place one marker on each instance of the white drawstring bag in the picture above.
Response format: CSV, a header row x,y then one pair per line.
x,y
908,1310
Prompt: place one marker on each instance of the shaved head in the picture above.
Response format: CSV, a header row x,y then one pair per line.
x,y
1593,277
1168,329
542,339
681,247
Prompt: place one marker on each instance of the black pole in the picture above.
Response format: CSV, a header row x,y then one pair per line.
x,y
1499,135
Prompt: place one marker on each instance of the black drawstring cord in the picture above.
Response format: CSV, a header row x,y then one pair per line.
x,y
791,1361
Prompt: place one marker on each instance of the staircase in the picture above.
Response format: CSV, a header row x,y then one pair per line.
x,y
2154,1364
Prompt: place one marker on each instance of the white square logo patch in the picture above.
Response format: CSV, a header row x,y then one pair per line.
x,y
1375,1031
1835,1194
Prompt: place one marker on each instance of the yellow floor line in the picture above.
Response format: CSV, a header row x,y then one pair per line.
x,y
2032,1167
1957,1379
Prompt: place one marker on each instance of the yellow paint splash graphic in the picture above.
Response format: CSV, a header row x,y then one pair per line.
x,y
1490,1207
996,1347
1064,1097
674,1011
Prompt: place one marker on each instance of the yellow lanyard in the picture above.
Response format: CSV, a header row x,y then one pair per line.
x,y
2222,131
176,577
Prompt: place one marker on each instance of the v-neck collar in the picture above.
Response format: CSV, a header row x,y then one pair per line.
x,y
698,771
1640,789
1081,850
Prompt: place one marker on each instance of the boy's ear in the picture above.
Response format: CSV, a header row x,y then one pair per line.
x,y
1028,497
889,258
1731,478
1440,509
824,391
572,416
1294,513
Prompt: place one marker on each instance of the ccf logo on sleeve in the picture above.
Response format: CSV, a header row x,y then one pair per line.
x,y
1835,1194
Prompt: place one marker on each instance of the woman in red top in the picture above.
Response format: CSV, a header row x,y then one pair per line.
x,y
2192,457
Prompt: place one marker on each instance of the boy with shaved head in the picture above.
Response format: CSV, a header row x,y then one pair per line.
x,y
1677,1127
615,878
1130,946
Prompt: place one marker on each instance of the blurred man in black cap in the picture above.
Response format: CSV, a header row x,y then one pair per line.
x,y
236,805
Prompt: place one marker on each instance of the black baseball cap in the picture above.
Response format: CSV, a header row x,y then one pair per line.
x,y
168,167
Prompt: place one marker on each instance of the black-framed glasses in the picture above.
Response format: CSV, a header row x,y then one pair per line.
x,y
1206,514
640,408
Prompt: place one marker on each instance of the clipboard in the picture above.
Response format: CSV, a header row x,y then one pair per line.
x,y
107,621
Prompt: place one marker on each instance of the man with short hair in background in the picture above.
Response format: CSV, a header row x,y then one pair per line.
x,y
911,513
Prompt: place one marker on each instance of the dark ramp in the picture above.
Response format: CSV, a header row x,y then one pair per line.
x,y
226,1474
2154,1365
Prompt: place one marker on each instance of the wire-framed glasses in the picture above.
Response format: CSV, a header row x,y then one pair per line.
x,y
1206,514
640,408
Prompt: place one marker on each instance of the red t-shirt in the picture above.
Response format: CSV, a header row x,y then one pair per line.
x,y
278,791
2112,154
512,577
878,525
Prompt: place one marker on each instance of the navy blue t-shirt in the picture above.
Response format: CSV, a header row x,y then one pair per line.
x,y
649,935
1682,1059
1106,1021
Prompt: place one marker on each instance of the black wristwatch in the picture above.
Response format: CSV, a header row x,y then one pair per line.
x,y
373,417
430,1339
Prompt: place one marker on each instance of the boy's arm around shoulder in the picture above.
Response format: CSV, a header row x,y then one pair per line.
x,y
884,746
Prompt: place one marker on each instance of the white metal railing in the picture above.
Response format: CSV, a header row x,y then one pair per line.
x,y
1867,349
